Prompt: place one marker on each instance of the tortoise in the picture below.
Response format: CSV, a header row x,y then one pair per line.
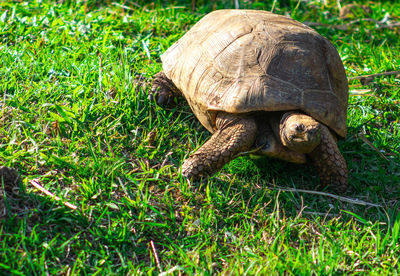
x,y
261,83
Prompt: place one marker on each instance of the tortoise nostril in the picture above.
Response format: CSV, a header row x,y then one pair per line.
x,y
300,128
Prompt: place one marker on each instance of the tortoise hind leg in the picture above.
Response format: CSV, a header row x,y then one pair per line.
x,y
329,162
234,135
164,89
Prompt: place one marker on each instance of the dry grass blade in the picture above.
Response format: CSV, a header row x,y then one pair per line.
x,y
365,140
361,92
372,76
320,214
166,159
53,196
342,27
122,6
153,248
350,25
128,8
341,198
389,26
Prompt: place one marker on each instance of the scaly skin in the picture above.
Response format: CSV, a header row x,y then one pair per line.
x,y
329,162
234,135
164,89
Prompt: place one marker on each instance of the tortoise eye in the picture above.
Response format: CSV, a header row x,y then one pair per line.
x,y
300,128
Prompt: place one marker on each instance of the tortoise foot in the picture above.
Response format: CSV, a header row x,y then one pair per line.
x,y
163,89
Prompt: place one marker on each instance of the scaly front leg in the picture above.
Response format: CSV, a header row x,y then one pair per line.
x,y
329,162
234,134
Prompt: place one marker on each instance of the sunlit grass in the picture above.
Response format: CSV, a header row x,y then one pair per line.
x,y
76,116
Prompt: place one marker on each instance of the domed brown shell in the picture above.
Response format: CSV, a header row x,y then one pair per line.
x,y
242,61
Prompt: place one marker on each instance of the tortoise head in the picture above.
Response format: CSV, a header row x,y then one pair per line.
x,y
299,132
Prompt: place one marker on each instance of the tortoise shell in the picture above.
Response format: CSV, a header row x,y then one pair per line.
x,y
244,61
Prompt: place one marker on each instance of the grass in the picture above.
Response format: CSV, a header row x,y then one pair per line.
x,y
76,117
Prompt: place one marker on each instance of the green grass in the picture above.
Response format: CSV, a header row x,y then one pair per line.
x,y
76,116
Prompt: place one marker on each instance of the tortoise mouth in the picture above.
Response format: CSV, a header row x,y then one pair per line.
x,y
304,141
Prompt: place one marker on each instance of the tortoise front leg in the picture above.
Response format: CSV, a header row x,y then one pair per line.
x,y
329,162
234,134
164,89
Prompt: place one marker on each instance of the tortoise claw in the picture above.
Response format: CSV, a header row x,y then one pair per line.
x,y
163,89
